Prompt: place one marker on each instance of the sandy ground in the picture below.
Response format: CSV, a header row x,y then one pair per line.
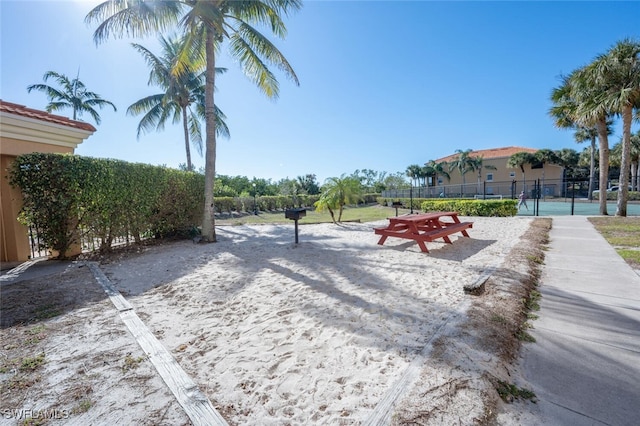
x,y
322,332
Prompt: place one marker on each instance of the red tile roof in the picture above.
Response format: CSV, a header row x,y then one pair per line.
x,y
23,111
505,152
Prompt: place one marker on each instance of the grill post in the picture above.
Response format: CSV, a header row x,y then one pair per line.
x,y
295,214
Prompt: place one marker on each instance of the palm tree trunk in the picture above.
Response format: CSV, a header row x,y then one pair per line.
x,y
208,219
623,191
185,128
592,168
604,164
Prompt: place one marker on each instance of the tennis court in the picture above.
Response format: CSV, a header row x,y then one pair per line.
x,y
581,207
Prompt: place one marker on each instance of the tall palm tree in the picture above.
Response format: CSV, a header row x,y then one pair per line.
x,y
518,161
182,99
207,24
464,163
617,76
576,103
71,94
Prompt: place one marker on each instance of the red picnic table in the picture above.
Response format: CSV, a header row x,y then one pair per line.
x,y
424,227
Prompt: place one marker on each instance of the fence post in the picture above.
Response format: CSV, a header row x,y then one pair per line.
x,y
573,196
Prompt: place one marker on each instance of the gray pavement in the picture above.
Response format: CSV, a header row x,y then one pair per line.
x,y
585,364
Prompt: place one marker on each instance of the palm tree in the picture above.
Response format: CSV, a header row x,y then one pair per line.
x,y
583,134
518,161
617,75
479,165
576,102
71,94
338,192
545,156
181,92
464,163
441,168
207,24
413,172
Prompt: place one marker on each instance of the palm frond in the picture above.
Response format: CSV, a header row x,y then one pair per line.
x,y
133,18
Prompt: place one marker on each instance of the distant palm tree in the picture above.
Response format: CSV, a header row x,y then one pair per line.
x,y
583,134
206,25
182,99
440,169
518,161
545,156
413,172
464,163
338,192
71,94
479,165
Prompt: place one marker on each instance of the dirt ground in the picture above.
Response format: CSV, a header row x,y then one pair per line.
x,y
66,354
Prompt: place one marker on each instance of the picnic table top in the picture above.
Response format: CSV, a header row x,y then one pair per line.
x,y
420,217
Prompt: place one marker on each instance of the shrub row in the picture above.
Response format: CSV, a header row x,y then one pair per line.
x,y
496,208
68,195
263,203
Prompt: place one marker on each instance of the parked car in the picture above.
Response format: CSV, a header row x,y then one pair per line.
x,y
612,189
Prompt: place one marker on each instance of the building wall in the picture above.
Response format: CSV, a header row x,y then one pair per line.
x,y
24,130
503,174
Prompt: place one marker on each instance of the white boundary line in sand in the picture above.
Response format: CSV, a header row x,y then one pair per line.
x,y
195,403
381,414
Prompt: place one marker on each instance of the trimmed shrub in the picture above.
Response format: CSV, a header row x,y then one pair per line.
x,y
493,208
69,195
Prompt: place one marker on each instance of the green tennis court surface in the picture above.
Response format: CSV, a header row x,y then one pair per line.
x,y
580,207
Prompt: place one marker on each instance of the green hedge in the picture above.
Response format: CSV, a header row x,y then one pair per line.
x,y
66,196
496,208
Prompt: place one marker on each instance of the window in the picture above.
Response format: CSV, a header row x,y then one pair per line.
x,y
489,177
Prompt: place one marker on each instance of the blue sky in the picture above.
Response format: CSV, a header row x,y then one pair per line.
x,y
383,84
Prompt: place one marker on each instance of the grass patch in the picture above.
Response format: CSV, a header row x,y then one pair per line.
x,y
622,233
498,319
82,407
131,363
46,312
510,392
33,331
349,214
31,363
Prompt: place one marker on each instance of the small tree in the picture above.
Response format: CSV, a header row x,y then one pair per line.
x,y
338,192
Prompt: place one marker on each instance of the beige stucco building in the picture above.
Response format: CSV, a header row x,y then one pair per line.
x,y
24,130
497,180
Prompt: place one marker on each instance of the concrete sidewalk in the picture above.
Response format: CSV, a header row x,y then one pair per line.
x,y
585,364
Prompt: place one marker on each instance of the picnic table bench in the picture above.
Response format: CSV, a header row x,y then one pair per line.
x,y
424,227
